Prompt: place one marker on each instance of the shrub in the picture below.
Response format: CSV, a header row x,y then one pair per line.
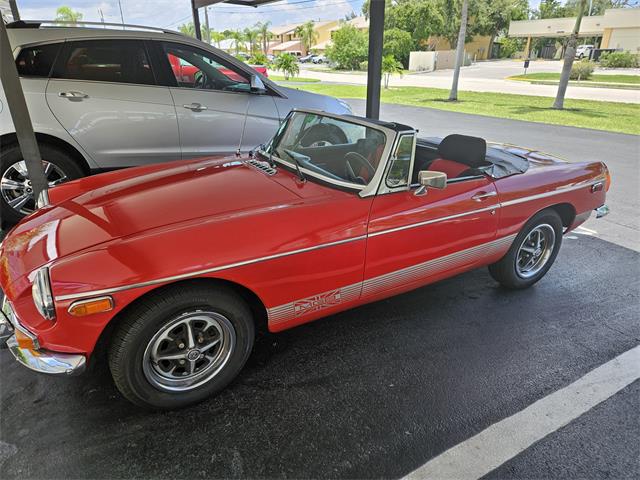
x,y
390,66
349,47
582,70
287,63
259,59
364,65
619,60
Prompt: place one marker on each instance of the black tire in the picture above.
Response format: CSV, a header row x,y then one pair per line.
x,y
146,318
505,271
11,155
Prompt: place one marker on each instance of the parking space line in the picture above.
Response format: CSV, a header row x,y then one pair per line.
x,y
507,438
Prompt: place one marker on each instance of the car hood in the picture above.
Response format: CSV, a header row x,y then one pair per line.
x,y
98,209
297,98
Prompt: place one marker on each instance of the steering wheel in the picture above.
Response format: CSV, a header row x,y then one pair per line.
x,y
354,162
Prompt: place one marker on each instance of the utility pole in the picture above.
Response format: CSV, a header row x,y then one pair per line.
x,y
206,25
121,15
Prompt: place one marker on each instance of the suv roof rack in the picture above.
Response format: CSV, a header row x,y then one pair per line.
x,y
82,24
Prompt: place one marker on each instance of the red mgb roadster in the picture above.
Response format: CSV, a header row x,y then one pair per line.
x,y
334,212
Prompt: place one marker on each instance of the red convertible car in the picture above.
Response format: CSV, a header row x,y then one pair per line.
x,y
334,212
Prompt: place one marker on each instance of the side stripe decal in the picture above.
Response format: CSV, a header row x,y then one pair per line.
x,y
371,286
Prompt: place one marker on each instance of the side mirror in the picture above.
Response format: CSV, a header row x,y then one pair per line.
x,y
429,178
257,86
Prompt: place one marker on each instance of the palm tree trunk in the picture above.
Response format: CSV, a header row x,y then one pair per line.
x,y
453,95
569,55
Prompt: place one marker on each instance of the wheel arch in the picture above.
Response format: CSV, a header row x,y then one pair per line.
x,y
566,211
258,309
44,138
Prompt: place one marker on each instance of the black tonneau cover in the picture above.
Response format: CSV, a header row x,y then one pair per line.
x,y
505,160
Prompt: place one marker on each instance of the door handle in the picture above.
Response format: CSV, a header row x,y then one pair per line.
x,y
73,94
196,107
480,196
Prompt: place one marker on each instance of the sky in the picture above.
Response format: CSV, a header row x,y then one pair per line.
x,y
171,13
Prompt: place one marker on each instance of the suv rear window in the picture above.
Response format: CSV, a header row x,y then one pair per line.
x,y
37,61
119,61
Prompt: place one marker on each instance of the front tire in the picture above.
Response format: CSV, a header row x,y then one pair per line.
x,y
181,345
532,253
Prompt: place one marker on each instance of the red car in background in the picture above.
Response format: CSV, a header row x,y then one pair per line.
x,y
186,73
334,212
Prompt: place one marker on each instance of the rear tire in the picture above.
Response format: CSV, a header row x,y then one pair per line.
x,y
16,196
532,253
181,345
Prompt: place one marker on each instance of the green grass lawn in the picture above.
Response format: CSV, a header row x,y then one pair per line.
x,y
611,116
599,78
280,78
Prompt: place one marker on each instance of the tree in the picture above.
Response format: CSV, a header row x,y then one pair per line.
x,y
308,35
189,29
238,39
287,63
390,66
492,17
251,35
349,47
67,14
217,37
398,44
453,95
569,55
265,35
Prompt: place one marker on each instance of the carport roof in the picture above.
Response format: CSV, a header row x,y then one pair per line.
x,y
246,3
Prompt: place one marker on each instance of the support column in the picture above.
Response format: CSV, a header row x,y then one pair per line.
x,y
196,20
14,10
527,49
20,115
374,74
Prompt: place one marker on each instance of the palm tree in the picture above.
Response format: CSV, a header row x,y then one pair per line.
x,y
238,38
287,64
390,66
265,35
217,37
67,14
453,95
569,55
308,35
251,36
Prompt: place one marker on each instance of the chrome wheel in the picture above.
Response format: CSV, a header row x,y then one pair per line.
x,y
189,351
16,188
535,250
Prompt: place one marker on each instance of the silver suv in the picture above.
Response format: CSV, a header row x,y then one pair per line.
x,y
102,98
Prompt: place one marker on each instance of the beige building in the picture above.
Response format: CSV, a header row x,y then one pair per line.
x,y
285,38
618,28
361,23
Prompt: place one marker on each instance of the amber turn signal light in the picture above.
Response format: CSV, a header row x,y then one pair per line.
x,y
91,306
24,341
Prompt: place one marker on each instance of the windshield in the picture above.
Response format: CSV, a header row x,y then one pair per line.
x,y
330,148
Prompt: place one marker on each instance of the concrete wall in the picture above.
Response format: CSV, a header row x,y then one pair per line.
x,y
625,39
422,61
479,47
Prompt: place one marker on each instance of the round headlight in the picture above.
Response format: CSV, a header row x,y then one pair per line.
x,y
42,296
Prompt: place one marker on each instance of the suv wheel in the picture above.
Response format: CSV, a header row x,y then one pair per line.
x,y
16,193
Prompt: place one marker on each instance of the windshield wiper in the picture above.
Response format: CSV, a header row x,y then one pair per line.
x,y
296,158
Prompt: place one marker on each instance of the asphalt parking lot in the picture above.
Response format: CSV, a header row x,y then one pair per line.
x,y
377,391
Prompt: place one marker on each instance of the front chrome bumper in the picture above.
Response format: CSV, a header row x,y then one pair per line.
x,y
602,211
42,361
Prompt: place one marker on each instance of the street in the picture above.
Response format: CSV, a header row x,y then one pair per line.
x,y
378,391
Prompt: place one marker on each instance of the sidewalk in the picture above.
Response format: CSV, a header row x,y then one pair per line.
x,y
472,82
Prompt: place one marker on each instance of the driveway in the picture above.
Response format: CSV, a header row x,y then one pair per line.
x,y
485,77
384,389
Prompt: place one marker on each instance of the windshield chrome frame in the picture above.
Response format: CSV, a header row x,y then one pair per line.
x,y
363,190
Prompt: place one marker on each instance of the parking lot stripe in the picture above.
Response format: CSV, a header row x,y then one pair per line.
x,y
507,438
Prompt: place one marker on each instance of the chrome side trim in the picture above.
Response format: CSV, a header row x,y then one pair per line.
x,y
434,220
108,291
548,194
